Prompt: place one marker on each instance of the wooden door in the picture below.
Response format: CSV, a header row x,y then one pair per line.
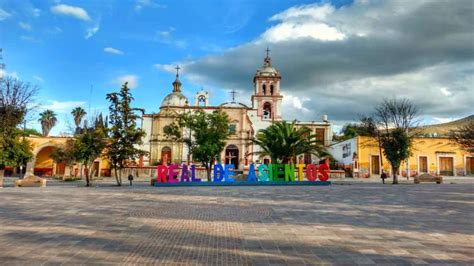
x,y
469,165
423,164
96,169
375,165
446,166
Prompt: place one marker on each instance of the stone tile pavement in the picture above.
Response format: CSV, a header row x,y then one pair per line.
x,y
342,224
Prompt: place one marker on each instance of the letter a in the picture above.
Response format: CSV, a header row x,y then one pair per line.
x,y
251,177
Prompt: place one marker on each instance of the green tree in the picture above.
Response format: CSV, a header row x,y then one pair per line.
x,y
284,141
124,136
16,98
395,117
396,146
48,120
31,132
208,138
78,113
87,147
16,150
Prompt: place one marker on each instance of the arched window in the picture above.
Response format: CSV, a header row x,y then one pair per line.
x,y
202,100
271,89
267,110
264,89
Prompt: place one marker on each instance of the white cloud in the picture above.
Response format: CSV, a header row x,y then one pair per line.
x,y
307,21
24,25
168,68
111,50
29,39
74,11
38,78
92,31
36,12
63,106
289,31
131,79
345,60
140,4
4,73
4,14
166,37
55,30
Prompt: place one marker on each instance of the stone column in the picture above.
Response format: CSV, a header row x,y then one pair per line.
x,y
29,169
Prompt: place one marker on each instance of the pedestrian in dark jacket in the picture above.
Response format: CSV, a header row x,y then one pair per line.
x,y
383,176
130,178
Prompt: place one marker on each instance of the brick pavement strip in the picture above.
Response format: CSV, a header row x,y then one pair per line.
x,y
341,224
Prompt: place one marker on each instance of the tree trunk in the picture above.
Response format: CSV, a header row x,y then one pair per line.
x,y
208,172
395,178
87,177
119,180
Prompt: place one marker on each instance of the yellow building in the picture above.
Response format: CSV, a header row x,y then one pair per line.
x,y
43,165
436,156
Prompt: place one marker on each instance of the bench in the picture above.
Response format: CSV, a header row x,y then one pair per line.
x,y
428,178
31,181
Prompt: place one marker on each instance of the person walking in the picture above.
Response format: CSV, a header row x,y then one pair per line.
x,y
383,176
130,178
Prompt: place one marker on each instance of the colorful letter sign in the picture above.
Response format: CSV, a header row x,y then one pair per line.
x,y
263,173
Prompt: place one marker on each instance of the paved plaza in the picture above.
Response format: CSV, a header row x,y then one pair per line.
x,y
362,223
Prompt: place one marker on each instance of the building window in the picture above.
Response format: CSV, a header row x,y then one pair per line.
x,y
232,128
267,111
320,135
271,89
264,89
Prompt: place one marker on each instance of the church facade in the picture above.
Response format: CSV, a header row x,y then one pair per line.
x,y
245,122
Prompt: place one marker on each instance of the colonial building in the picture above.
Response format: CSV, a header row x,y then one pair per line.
x,y
245,121
361,157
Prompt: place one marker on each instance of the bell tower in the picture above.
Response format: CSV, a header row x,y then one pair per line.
x,y
266,97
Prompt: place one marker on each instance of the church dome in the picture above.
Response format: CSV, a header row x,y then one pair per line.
x,y
175,98
267,70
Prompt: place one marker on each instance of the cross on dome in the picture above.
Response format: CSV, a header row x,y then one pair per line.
x,y
177,70
233,92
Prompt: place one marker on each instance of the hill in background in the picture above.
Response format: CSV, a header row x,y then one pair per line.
x,y
439,130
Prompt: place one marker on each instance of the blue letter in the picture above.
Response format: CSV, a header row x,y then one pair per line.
x,y
228,168
251,177
184,173
218,173
263,175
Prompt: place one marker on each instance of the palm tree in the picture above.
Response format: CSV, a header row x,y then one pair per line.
x,y
282,141
78,114
48,120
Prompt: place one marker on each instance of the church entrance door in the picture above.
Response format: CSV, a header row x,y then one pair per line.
x,y
232,155
166,155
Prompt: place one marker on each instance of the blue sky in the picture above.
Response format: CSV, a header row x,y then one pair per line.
x,y
65,47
